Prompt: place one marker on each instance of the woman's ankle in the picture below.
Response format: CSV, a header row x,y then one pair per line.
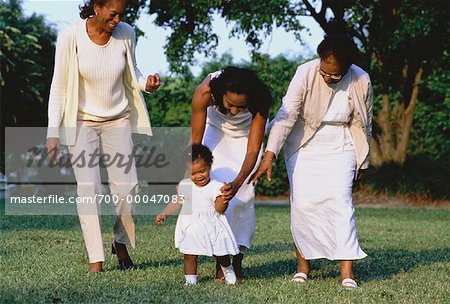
x,y
96,267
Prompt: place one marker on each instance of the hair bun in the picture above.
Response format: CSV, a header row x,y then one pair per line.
x,y
336,28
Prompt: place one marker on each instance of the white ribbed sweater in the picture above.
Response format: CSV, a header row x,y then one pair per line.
x,y
101,90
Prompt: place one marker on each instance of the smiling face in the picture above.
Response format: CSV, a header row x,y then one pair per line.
x,y
199,172
109,15
331,70
234,102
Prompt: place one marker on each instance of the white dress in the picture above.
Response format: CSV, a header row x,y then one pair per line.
x,y
321,177
227,136
200,229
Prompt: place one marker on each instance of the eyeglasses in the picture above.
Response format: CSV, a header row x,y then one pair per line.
x,y
332,76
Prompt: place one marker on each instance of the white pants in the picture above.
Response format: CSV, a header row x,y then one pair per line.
x,y
113,139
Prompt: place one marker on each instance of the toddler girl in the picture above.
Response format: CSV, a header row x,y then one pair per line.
x,y
202,228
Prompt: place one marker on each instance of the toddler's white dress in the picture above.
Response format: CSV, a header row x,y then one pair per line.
x,y
200,229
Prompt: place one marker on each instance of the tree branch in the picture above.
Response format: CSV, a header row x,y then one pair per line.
x,y
319,17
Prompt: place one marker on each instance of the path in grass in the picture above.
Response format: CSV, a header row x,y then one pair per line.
x,y
43,260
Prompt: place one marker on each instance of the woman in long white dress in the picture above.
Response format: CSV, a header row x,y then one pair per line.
x,y
325,127
229,113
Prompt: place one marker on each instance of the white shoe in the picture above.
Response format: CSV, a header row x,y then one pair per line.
x,y
190,283
349,284
230,276
300,277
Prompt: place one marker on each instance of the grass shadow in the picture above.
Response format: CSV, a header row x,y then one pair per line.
x,y
279,268
173,262
384,264
272,247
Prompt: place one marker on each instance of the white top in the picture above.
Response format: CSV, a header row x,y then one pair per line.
x,y
340,108
199,199
101,67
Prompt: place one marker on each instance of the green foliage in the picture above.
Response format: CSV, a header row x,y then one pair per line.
x,y
26,65
398,39
191,24
279,185
27,54
431,132
419,178
132,13
170,106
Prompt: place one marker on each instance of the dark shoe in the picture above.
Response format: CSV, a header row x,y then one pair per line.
x,y
125,262
96,267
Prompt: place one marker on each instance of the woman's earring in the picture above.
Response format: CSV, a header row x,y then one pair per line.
x,y
96,14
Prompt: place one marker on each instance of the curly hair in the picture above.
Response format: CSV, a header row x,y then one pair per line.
x,y
87,10
241,81
199,151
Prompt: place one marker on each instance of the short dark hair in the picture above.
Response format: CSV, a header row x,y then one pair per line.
x,y
87,10
242,81
199,151
340,46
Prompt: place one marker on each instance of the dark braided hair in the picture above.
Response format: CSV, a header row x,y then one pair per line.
x,y
87,10
199,151
242,81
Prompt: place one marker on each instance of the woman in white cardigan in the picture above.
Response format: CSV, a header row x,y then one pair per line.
x,y
95,104
324,125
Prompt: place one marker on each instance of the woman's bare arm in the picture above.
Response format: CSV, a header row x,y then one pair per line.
x,y
200,102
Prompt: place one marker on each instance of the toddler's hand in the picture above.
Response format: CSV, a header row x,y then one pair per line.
x,y
160,219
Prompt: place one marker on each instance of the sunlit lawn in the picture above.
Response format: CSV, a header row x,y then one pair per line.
x,y
43,260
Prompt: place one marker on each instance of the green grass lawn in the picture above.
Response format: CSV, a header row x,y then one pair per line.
x,y
43,260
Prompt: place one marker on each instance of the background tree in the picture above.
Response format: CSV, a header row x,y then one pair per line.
x,y
26,67
27,54
402,42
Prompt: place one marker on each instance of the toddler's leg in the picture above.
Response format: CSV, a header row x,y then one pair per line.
x,y
190,269
237,265
227,269
219,273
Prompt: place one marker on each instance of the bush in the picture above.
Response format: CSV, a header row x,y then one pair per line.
x,y
420,177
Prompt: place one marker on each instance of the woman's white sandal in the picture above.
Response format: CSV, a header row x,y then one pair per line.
x,y
349,284
300,277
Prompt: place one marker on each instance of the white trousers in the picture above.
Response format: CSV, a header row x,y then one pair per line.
x,y
112,140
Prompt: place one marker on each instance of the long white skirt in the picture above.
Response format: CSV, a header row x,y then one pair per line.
x,y
322,212
229,153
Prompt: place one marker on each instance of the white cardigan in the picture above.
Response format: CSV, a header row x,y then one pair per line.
x,y
308,97
63,100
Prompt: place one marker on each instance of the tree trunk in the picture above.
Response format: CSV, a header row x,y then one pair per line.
x,y
390,144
